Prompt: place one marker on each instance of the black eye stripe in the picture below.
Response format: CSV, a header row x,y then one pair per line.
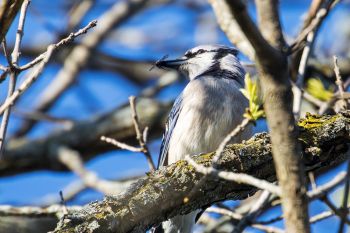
x,y
220,52
200,51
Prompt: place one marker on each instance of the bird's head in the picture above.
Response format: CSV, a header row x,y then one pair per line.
x,y
205,59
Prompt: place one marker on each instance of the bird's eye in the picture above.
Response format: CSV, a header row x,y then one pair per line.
x,y
189,54
200,51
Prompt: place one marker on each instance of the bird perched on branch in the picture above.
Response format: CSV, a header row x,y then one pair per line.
x,y
210,106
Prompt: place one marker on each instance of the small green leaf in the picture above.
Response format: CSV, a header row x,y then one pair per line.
x,y
253,94
316,88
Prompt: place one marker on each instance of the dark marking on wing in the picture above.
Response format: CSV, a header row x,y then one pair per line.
x,y
169,127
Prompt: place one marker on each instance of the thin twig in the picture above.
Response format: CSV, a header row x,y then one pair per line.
x,y
34,211
19,34
239,128
313,26
240,178
322,216
64,41
313,100
3,68
76,187
312,180
337,211
63,203
344,208
218,153
120,144
14,73
298,88
139,134
238,216
73,161
6,53
28,82
7,111
322,190
339,83
308,34
254,211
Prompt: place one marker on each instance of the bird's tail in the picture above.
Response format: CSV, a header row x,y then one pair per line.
x,y
178,224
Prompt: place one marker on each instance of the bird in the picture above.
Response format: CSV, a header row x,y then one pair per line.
x,y
210,107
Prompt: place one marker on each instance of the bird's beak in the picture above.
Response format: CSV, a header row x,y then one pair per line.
x,y
172,64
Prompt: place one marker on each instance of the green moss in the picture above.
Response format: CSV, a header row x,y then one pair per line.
x,y
100,215
312,126
315,121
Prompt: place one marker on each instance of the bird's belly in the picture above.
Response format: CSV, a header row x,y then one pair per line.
x,y
197,133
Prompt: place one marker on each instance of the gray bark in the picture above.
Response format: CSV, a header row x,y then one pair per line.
x,y
161,194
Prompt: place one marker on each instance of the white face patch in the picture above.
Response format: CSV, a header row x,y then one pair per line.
x,y
198,65
204,58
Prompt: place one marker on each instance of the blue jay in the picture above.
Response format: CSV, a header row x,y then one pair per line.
x,y
210,106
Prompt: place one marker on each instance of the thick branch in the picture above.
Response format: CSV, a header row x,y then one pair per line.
x,y
163,193
230,26
273,72
84,137
269,22
8,12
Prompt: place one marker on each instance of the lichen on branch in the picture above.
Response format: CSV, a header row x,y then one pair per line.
x,y
161,194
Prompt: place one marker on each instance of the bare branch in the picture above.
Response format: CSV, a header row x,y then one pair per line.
x,y
6,53
147,201
322,190
239,178
28,82
3,68
228,138
120,144
33,211
84,137
308,34
269,23
340,84
63,42
313,26
253,212
139,134
273,72
238,216
14,73
78,12
81,53
339,212
76,187
8,12
344,208
44,58
230,26
73,161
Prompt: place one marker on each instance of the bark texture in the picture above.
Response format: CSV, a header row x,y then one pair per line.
x,y
272,65
164,193
8,12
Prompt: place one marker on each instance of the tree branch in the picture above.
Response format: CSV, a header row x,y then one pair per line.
x,y
273,71
13,70
28,155
162,194
269,23
8,12
81,53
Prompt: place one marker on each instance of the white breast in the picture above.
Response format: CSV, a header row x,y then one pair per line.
x,y
211,109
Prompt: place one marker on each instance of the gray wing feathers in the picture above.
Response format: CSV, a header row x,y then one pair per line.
x,y
169,127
